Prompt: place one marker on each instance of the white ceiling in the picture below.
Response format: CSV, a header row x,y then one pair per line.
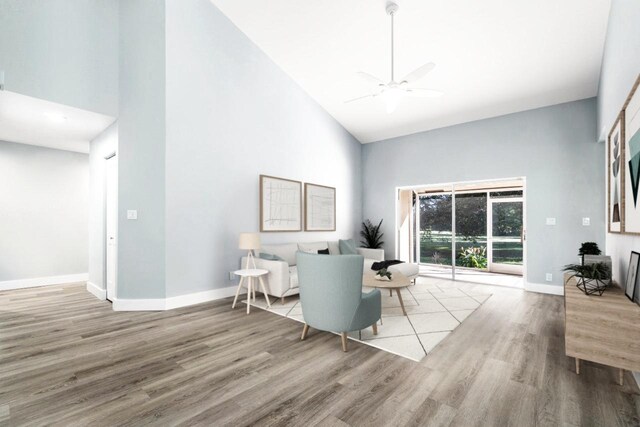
x,y
493,56
34,121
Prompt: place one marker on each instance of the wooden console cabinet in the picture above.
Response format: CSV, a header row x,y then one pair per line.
x,y
603,329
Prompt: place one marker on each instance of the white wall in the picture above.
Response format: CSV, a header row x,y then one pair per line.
x,y
232,114
554,147
620,69
44,197
104,145
65,51
141,149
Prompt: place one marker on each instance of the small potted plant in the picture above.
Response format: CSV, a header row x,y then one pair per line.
x,y
371,235
592,278
383,275
590,253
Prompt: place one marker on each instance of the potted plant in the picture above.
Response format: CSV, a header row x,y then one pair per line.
x,y
590,253
371,235
592,278
383,275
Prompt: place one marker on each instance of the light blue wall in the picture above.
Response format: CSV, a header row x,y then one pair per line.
x,y
232,114
141,149
554,148
44,198
103,145
65,51
620,69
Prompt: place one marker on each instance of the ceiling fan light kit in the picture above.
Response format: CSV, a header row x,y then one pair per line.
x,y
392,93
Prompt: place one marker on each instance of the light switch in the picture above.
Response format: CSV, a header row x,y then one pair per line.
x,y
551,221
586,221
132,214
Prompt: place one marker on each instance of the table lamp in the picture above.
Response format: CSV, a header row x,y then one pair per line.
x,y
250,242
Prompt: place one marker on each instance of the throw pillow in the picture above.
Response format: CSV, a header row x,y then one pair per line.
x,y
323,251
347,247
269,257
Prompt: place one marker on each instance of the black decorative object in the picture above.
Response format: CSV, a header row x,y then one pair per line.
x,y
591,278
588,248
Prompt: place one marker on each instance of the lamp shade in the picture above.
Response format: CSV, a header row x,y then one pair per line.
x,y
249,241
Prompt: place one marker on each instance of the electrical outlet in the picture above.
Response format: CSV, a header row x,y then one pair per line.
x,y
551,221
586,221
231,275
549,277
132,214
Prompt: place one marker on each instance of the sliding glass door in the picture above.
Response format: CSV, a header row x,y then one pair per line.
x,y
470,231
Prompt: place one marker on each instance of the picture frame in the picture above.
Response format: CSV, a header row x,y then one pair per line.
x,y
631,169
319,207
615,172
280,204
632,275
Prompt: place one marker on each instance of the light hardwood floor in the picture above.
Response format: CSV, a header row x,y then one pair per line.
x,y
67,359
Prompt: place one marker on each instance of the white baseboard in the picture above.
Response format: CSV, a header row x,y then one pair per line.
x,y
125,304
199,297
43,281
544,289
161,304
97,291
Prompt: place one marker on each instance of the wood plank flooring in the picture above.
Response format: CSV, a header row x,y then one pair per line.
x,y
68,359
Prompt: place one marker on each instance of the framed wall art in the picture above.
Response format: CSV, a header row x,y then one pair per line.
x,y
319,207
632,275
631,184
615,183
280,204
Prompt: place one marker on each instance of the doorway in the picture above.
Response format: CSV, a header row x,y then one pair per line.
x,y
469,231
111,226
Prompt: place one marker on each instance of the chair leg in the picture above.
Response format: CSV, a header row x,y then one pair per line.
x,y
282,300
343,336
375,328
305,330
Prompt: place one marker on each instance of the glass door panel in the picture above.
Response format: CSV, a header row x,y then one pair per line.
x,y
471,231
435,248
506,237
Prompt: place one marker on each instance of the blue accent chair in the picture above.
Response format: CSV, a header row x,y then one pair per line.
x,y
331,295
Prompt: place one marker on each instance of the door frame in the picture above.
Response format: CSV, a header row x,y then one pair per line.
x,y
417,188
111,156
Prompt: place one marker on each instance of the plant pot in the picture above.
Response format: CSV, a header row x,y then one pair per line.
x,y
592,286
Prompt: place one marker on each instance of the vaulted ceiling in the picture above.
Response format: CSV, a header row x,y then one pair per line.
x,y
493,56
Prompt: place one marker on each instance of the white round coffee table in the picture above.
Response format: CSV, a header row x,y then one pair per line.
x,y
250,275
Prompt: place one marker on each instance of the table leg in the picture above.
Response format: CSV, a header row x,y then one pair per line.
x,y
237,292
254,288
621,379
264,291
401,302
249,287
577,366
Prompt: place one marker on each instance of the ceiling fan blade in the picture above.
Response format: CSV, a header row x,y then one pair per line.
x,y
418,73
369,78
371,95
424,93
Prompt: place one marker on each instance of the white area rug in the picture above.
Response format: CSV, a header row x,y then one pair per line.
x,y
435,307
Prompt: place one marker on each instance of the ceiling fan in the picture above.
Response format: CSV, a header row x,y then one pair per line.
x,y
393,92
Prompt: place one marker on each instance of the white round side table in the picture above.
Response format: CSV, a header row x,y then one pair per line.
x,y
250,274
